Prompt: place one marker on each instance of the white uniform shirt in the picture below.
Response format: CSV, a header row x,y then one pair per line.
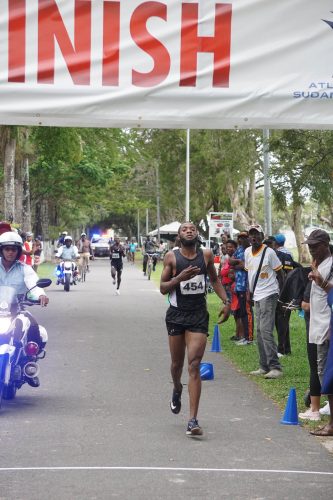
x,y
267,283
320,313
70,253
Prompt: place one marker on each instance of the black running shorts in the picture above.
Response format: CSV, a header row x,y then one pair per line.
x,y
117,265
177,321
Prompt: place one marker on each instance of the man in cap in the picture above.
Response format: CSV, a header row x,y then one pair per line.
x,y
320,312
264,270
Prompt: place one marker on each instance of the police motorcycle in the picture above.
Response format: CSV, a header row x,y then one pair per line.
x,y
22,340
67,274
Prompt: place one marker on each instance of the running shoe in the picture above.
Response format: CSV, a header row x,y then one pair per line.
x,y
193,428
175,403
325,410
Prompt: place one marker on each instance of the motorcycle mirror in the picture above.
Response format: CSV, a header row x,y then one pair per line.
x,y
43,282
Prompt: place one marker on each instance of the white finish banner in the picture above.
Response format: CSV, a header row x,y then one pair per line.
x,y
167,63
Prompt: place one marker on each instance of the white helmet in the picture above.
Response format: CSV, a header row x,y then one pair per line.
x,y
68,238
83,234
11,238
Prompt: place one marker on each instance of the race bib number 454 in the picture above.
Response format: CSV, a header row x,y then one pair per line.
x,y
193,286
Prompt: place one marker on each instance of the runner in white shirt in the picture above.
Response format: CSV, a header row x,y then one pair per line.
x,y
265,298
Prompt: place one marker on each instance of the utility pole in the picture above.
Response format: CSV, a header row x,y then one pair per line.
x,y
158,204
187,183
139,242
267,184
147,220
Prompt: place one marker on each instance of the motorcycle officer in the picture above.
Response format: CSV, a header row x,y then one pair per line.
x,y
22,277
68,251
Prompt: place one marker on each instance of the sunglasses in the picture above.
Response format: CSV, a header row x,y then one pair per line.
x,y
10,248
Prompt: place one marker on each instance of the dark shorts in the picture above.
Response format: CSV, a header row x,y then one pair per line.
x,y
117,265
177,322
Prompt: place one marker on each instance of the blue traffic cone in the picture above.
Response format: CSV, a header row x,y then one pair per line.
x,y
290,416
216,345
206,371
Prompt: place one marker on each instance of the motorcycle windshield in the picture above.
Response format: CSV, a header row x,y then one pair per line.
x,y
8,299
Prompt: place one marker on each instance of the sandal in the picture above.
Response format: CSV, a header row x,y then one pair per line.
x,y
323,431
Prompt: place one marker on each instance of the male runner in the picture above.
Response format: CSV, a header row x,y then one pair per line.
x,y
117,253
184,278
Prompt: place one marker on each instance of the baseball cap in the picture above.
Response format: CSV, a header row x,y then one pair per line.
x,y
256,227
280,239
317,236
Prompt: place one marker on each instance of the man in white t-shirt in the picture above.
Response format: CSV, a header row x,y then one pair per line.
x,y
320,313
265,297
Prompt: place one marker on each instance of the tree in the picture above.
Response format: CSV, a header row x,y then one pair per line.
x,y
301,168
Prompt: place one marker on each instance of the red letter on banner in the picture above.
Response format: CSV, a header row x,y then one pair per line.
x,y
51,27
219,44
111,35
16,41
149,44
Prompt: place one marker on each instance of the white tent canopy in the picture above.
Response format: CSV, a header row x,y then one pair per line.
x,y
171,228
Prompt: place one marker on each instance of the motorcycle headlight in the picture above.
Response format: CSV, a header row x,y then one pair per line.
x,y
4,324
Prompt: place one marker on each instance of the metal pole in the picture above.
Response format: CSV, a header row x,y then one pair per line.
x,y
139,243
187,202
267,184
147,220
158,204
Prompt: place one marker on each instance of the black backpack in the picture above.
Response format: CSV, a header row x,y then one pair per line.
x,y
292,291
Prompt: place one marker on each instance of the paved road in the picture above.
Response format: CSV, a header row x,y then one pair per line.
x,y
99,427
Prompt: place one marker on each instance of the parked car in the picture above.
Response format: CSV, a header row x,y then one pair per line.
x,y
101,247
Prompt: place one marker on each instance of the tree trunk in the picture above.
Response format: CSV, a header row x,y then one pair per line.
x,y
45,220
26,208
9,179
252,199
296,224
240,215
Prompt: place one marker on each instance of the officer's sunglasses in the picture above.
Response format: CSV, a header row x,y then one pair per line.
x,y
10,248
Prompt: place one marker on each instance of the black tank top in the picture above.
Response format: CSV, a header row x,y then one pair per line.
x,y
190,294
116,254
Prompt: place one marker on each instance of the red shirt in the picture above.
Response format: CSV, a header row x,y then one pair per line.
x,y
224,273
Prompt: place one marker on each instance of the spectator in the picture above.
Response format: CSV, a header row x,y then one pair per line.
x,y
270,242
282,315
322,282
37,252
227,279
27,251
4,227
315,387
244,312
264,271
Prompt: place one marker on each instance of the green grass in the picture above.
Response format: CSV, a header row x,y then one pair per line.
x,y
46,270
